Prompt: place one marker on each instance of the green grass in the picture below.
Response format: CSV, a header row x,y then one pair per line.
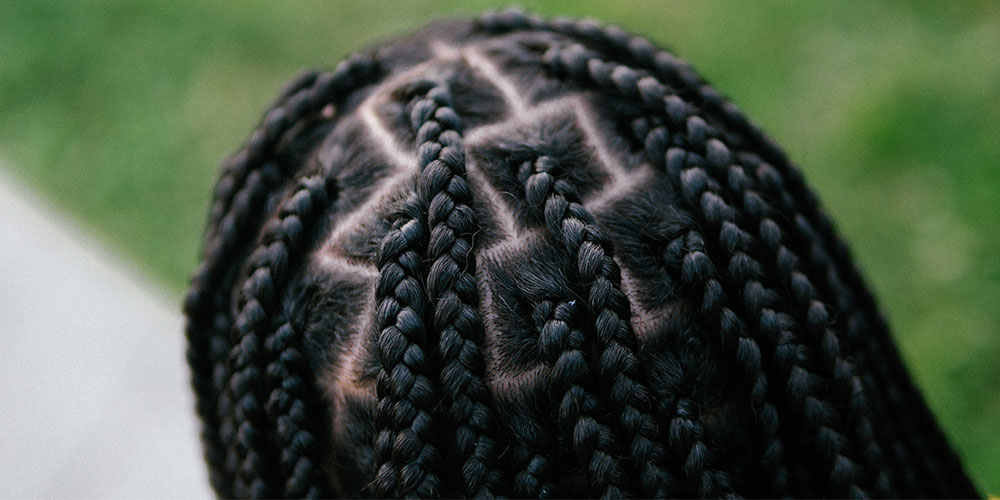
x,y
121,112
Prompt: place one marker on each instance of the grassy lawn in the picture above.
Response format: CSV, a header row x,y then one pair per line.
x,y
121,112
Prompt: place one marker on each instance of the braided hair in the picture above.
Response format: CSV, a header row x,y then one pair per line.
x,y
538,258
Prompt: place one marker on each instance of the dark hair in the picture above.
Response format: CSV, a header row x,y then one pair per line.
x,y
538,258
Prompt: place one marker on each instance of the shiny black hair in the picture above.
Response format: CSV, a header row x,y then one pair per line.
x,y
538,258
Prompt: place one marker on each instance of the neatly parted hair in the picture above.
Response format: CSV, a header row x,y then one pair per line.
x,y
532,258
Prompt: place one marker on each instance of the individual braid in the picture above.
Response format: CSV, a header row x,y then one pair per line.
x,y
561,345
406,455
282,239
209,323
240,193
534,452
618,366
451,285
292,410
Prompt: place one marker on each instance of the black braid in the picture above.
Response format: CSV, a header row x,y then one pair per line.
x,y
452,288
699,272
209,323
699,329
562,347
816,312
406,455
575,228
537,469
282,239
292,409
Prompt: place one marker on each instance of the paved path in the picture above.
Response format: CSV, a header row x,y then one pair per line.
x,y
94,396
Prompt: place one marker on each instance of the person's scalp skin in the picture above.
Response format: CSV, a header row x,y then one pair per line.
x,y
518,257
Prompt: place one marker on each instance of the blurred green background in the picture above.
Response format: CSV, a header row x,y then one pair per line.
x,y
121,112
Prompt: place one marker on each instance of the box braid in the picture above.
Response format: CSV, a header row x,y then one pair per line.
x,y
557,202
561,346
539,258
224,235
445,195
451,285
281,240
406,455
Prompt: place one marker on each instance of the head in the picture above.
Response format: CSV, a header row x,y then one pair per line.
x,y
521,257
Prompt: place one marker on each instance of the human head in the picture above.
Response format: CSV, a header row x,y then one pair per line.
x,y
538,258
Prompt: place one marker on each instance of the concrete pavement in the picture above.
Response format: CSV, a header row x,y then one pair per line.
x,y
94,394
